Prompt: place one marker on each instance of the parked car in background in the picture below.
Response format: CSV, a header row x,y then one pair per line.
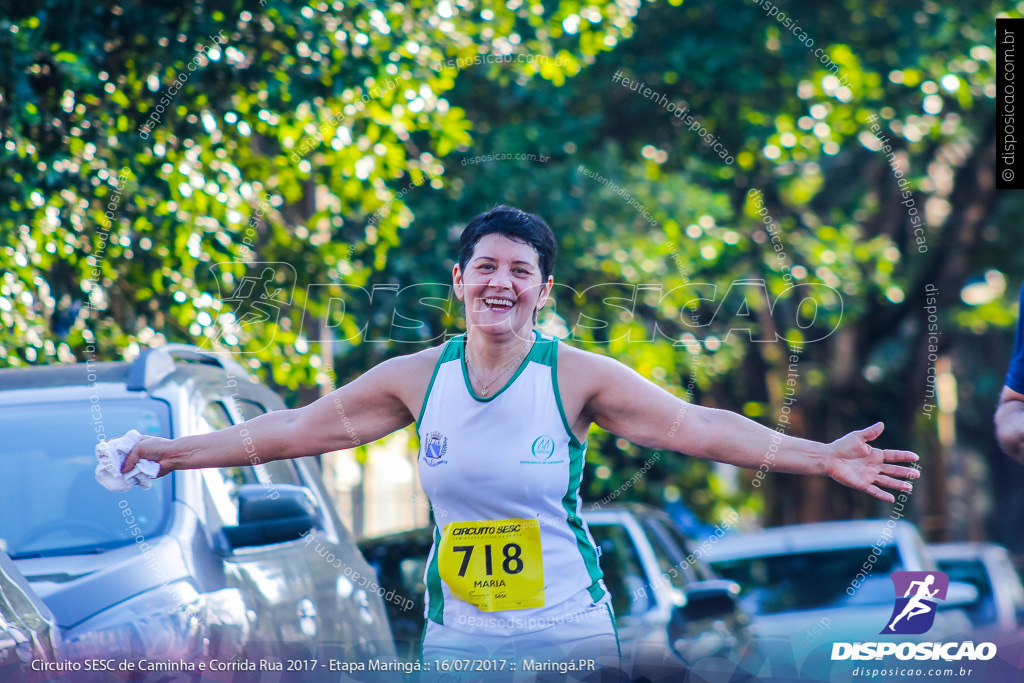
x,y
801,583
987,567
28,631
670,607
239,561
400,561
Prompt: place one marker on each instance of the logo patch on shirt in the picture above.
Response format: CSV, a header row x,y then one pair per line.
x,y
543,448
434,449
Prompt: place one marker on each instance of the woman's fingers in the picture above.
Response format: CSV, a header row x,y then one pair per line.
x,y
902,472
871,433
135,454
890,483
130,460
880,494
899,456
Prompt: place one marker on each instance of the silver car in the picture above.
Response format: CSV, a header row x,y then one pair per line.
x,y
988,567
209,565
810,585
671,610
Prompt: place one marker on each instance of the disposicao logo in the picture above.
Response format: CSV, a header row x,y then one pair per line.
x,y
917,596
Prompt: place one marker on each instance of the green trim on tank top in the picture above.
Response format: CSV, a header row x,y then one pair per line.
x,y
569,504
553,362
435,593
531,356
448,353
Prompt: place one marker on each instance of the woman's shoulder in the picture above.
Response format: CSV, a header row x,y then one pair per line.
x,y
417,362
407,376
580,362
582,375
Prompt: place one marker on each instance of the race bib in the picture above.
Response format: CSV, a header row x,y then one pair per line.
x,y
494,565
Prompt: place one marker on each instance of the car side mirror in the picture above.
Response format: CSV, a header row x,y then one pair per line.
x,y
960,594
279,514
704,601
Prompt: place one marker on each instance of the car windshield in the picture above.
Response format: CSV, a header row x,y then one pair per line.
x,y
812,580
50,502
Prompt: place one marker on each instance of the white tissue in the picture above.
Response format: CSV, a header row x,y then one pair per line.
x,y
111,455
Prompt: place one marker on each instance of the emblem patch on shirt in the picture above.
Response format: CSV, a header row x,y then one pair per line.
x,y
434,449
543,448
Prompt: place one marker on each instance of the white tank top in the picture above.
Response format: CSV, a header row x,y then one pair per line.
x,y
511,553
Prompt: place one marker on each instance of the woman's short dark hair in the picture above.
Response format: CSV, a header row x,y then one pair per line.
x,y
514,224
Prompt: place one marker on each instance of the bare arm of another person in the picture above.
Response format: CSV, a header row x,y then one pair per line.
x,y
364,410
1010,423
627,404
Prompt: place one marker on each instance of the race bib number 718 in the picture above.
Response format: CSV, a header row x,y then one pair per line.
x,y
494,565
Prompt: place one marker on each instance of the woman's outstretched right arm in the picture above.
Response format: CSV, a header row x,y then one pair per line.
x,y
369,407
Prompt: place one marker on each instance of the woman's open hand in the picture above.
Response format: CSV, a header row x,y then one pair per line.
x,y
856,463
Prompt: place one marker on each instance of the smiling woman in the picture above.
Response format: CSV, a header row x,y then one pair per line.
x,y
503,414
504,278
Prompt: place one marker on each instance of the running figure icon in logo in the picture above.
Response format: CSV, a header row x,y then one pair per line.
x,y
920,591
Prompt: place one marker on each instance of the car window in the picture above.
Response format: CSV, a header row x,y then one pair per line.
x,y
811,580
973,572
214,417
49,499
221,486
671,561
411,570
623,574
921,551
267,473
1005,576
222,483
249,409
701,570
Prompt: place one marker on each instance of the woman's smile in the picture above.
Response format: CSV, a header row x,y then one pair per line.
x,y
499,303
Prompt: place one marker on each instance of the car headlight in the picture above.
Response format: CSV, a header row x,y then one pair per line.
x,y
161,624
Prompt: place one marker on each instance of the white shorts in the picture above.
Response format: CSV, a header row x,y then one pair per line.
x,y
582,647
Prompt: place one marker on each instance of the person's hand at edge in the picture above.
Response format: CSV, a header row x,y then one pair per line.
x,y
1009,423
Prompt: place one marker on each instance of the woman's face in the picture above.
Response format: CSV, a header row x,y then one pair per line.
x,y
502,286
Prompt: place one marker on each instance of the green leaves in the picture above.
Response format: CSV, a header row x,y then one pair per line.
x,y
325,142
327,112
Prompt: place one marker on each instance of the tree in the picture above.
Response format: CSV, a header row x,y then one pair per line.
x,y
156,155
319,138
843,199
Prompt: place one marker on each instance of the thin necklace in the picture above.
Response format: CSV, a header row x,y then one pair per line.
x,y
515,363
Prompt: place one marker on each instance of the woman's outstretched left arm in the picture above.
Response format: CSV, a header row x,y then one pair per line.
x,y
625,403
